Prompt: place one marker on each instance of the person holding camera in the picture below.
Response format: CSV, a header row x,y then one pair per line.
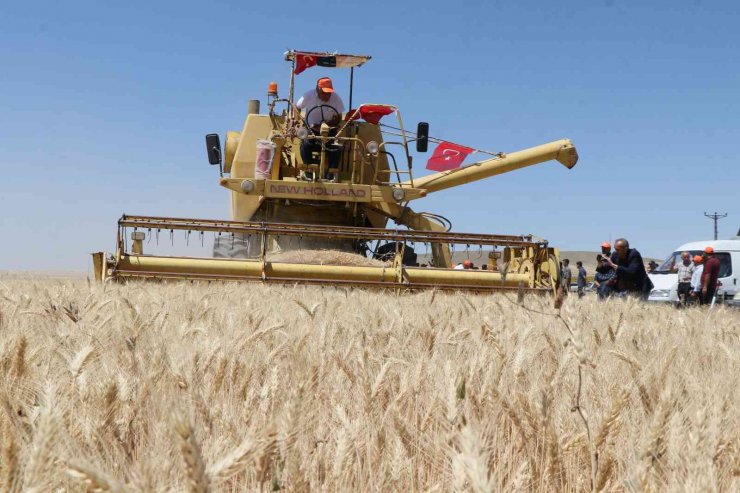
x,y
605,277
632,279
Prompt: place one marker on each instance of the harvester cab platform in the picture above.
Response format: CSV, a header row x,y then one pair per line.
x,y
332,183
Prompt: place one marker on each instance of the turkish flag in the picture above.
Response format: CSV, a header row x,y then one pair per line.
x,y
304,61
448,156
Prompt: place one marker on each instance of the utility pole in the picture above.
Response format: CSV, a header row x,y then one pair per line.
x,y
715,217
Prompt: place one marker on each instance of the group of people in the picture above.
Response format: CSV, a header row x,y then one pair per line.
x,y
567,276
618,273
697,277
622,272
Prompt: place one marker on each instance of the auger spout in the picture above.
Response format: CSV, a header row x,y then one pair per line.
x,y
562,151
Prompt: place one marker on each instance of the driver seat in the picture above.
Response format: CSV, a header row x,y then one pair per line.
x,y
309,157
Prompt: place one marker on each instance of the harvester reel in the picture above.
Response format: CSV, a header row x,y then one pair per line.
x,y
547,280
526,266
539,277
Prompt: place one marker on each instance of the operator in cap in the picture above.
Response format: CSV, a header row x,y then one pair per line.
x,y
321,105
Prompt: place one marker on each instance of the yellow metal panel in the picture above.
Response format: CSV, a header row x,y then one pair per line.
x,y
338,192
232,142
256,127
255,269
99,266
384,193
303,190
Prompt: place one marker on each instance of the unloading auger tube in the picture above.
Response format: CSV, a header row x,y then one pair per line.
x,y
562,151
528,263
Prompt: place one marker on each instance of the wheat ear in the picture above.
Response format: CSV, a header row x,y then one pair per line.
x,y
94,480
193,459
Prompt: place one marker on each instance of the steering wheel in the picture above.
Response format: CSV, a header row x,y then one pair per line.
x,y
323,118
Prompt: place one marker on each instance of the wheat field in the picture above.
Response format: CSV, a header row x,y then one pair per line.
x,y
246,387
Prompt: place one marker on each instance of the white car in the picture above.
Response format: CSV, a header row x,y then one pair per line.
x,y
589,288
665,279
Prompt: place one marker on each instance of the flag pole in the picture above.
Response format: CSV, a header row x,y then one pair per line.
x,y
351,84
292,80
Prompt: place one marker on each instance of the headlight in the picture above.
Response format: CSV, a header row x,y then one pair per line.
x,y
302,132
372,147
398,194
660,293
247,186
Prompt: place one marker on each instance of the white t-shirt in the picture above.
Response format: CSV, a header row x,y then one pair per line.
x,y
311,100
696,277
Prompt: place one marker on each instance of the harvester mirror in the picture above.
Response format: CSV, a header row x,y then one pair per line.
x,y
213,146
422,137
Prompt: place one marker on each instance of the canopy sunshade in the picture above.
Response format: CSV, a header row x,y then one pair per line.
x,y
307,59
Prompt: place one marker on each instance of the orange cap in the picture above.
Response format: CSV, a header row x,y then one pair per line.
x,y
467,263
324,85
709,250
697,259
606,244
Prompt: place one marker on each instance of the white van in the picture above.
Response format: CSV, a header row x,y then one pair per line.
x,y
665,279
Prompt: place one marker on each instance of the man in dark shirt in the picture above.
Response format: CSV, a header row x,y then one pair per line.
x,y
581,278
709,276
631,275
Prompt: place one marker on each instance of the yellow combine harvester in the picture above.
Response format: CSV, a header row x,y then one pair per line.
x,y
338,194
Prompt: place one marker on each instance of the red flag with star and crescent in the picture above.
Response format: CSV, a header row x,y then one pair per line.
x,y
304,61
448,156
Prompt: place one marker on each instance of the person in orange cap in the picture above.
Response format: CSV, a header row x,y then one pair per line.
x,y
466,264
321,105
606,249
709,276
695,292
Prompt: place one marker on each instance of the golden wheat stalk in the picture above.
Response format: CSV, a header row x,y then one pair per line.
x,y
195,469
93,479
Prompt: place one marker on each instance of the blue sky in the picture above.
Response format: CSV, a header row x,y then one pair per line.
x,y
103,110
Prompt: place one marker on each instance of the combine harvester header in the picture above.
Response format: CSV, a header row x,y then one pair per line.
x,y
334,185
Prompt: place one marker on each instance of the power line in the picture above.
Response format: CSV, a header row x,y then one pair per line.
x,y
715,217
